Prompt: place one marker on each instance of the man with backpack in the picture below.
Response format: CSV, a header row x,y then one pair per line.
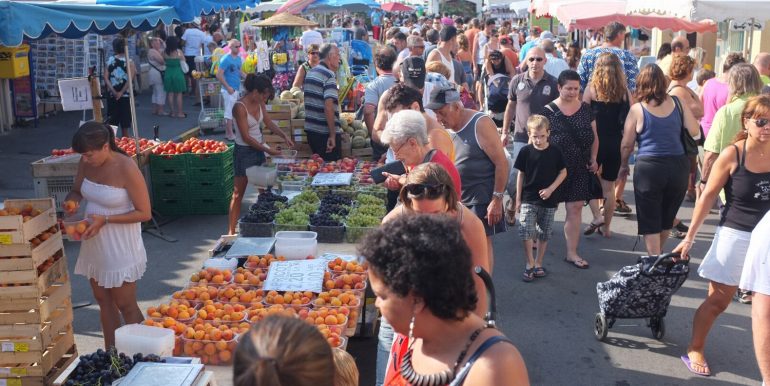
x,y
528,93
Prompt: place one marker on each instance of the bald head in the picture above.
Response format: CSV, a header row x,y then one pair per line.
x,y
680,44
536,62
762,63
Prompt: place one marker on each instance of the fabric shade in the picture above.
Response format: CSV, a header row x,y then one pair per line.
x,y
285,20
719,10
364,6
36,20
642,21
187,10
271,6
396,7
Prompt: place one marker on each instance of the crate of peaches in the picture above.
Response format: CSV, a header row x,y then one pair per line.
x,y
339,265
344,281
295,299
196,294
178,309
257,312
211,276
333,335
254,262
214,345
238,294
348,303
249,277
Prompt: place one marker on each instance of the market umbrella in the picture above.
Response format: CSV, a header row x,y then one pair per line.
x,y
285,20
270,6
188,10
294,6
363,6
396,7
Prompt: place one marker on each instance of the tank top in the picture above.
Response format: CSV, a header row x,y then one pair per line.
x,y
449,64
477,171
609,117
254,130
660,136
748,196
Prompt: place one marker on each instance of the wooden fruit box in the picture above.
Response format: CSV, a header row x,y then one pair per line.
x,y
13,229
43,370
26,257
24,317
62,166
30,349
57,273
367,151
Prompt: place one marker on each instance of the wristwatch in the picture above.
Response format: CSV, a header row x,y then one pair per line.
x,y
497,195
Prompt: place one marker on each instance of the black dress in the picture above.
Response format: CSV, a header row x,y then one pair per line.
x,y
574,136
609,128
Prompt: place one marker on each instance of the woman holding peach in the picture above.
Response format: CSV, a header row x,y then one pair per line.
x,y
112,255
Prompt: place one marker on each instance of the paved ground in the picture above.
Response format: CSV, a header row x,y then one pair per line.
x,y
550,320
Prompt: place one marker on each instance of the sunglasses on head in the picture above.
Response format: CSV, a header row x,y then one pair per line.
x,y
760,122
425,191
532,59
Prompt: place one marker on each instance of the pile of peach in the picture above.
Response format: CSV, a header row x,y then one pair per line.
x,y
257,312
212,276
338,265
255,261
337,298
213,345
289,298
324,315
196,294
28,212
233,293
180,310
344,281
249,277
219,312
332,334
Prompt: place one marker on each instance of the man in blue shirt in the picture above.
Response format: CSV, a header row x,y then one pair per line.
x,y
229,75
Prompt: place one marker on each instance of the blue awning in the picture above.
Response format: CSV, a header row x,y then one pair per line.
x,y
36,20
349,5
188,9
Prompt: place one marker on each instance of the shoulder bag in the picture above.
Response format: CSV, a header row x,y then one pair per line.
x,y
688,142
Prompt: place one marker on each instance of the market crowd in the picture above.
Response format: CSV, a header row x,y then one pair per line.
x,y
496,127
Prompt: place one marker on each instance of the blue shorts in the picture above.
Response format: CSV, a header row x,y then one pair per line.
x,y
481,211
245,157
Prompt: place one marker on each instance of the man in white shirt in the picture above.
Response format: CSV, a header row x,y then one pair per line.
x,y
554,65
310,36
193,43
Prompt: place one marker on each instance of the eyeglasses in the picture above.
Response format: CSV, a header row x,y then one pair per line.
x,y
430,192
760,122
313,53
495,58
395,151
533,59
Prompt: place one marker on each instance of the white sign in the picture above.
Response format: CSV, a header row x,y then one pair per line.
x,y
296,275
75,94
328,179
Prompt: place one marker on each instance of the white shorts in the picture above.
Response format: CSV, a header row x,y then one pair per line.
x,y
723,262
229,101
756,269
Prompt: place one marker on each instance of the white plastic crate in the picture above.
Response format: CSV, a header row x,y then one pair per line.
x,y
211,118
56,187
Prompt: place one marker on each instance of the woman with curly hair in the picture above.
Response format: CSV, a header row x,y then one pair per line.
x,y
438,333
283,351
610,101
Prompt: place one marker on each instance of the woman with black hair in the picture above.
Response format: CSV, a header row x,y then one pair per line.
x,y
112,254
248,113
119,68
420,271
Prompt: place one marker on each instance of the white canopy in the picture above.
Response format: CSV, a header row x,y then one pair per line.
x,y
717,10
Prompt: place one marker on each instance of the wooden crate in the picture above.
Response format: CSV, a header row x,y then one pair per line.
x,y
298,123
279,115
13,229
365,152
26,257
63,166
24,317
38,287
281,107
29,349
46,368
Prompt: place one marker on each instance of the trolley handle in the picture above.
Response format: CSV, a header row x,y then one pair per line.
x,y
666,259
491,315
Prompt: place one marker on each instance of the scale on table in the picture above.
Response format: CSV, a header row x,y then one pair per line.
x,y
165,374
248,246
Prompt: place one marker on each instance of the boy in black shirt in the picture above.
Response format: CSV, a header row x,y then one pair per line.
x,y
541,170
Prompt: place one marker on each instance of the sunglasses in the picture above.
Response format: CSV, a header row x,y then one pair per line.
x,y
760,122
313,53
533,59
429,192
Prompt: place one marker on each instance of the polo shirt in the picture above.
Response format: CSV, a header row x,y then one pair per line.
x,y
320,84
193,39
530,98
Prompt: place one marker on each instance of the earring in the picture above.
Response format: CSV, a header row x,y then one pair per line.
x,y
411,328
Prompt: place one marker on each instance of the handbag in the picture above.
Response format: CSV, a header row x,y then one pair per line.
x,y
688,142
595,186
185,67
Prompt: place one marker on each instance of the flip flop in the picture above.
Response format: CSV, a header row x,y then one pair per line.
x,y
528,275
686,360
591,228
540,272
580,264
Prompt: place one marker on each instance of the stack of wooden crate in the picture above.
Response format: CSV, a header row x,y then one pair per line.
x,y
280,114
36,336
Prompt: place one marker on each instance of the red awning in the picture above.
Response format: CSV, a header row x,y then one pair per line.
x,y
643,21
396,7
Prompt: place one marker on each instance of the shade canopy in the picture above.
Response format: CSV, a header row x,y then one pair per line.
x,y
36,20
643,21
298,6
396,7
187,10
285,20
719,10
271,6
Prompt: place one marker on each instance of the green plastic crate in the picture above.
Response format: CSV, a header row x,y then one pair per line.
x,y
164,165
171,206
210,189
210,205
211,160
210,173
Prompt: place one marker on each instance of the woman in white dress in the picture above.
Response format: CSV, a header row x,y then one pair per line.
x,y
112,254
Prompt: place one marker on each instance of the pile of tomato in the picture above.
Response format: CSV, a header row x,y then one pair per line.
x,y
192,145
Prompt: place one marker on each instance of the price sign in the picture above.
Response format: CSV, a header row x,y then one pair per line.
x,y
295,275
332,179
6,239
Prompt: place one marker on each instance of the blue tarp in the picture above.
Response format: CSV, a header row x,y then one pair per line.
x,y
188,9
35,20
348,5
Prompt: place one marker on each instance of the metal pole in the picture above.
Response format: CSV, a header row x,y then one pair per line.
x,y
751,41
134,128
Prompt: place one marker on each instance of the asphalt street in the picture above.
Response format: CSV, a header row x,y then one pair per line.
x,y
550,320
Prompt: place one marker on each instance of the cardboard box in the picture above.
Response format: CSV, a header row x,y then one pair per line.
x,y
280,115
282,107
283,123
298,123
365,152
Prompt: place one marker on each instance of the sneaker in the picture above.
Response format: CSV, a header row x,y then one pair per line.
x,y
621,207
681,227
743,296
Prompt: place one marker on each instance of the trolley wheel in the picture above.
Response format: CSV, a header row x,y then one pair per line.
x,y
600,326
658,327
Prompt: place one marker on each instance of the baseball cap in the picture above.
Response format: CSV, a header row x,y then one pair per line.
x,y
441,95
547,35
413,72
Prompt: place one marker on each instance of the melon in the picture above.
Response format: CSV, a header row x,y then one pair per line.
x,y
361,133
358,142
358,125
286,95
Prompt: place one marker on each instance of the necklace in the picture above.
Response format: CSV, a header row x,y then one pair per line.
x,y
435,379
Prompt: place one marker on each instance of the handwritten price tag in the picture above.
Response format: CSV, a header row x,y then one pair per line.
x,y
295,275
6,239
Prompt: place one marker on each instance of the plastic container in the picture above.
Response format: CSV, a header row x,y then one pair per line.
x,y
75,225
296,245
221,263
329,234
213,352
137,338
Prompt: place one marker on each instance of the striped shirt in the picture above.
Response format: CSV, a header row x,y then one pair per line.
x,y
320,84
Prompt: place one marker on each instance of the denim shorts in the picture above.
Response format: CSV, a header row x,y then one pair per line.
x,y
245,157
